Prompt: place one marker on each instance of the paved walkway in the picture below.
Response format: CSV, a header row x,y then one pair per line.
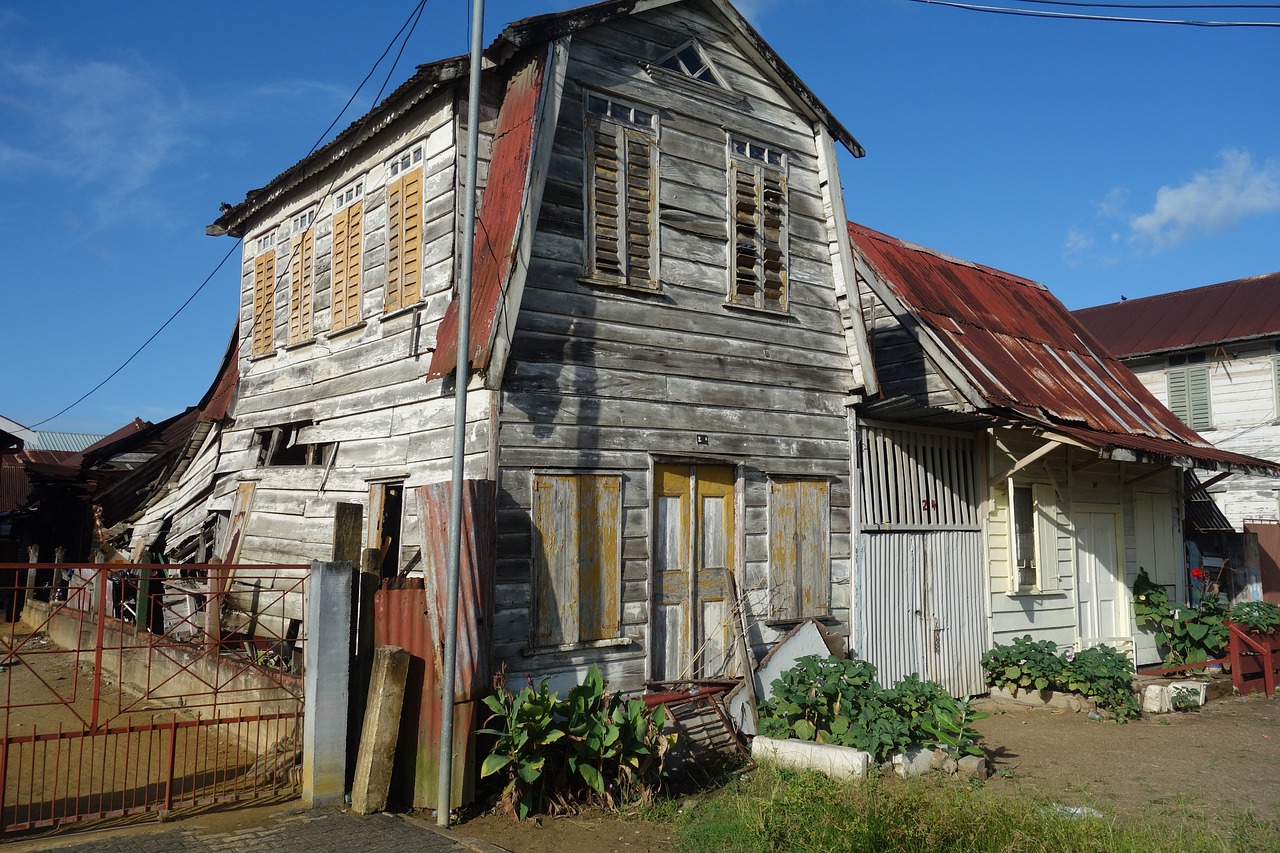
x,y
289,830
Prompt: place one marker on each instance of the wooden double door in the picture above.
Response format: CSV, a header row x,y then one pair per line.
x,y
694,536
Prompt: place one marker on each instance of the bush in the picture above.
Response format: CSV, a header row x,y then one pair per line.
x,y
1188,634
1101,673
835,701
592,747
1260,616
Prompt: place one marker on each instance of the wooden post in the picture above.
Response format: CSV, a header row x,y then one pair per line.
x,y
380,731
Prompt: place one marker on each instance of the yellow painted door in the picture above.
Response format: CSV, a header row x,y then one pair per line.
x,y
694,548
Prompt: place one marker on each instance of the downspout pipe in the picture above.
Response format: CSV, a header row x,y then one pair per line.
x,y
462,379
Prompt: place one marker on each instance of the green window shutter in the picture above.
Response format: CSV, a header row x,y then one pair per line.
x,y
1176,380
1199,414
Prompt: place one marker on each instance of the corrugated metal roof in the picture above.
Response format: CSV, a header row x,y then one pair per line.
x,y
66,442
499,222
1214,314
1030,358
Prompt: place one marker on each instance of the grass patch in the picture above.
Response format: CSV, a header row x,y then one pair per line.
x,y
778,810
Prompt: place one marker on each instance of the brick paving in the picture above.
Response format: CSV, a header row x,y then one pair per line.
x,y
291,831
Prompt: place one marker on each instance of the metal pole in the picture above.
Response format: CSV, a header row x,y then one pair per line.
x,y
461,379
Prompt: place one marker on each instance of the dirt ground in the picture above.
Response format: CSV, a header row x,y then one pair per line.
x,y
1198,768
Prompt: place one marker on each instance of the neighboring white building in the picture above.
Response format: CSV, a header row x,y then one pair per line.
x,y
1212,355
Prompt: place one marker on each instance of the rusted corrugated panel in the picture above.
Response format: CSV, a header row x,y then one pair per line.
x,y
1200,316
498,229
1027,355
14,485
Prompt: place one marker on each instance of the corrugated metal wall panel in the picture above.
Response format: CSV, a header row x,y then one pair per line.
x,y
922,600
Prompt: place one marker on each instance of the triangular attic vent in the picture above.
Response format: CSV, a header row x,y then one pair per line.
x,y
691,61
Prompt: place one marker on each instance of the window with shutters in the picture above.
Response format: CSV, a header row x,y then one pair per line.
x,y
404,230
1036,523
264,296
799,549
302,265
577,558
1187,379
348,253
622,193
758,226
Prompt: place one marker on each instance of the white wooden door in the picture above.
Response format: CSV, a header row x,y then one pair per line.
x,y
1098,579
694,541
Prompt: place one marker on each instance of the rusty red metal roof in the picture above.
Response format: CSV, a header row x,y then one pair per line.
x,y
498,229
1214,314
1030,359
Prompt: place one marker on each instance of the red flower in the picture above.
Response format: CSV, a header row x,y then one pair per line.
x,y
1197,573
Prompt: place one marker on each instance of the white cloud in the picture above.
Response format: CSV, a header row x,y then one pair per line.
x,y
104,128
1076,246
1210,201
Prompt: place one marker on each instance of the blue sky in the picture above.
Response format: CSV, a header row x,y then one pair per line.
x,y
1102,159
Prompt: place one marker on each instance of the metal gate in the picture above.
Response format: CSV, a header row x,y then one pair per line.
x,y
139,688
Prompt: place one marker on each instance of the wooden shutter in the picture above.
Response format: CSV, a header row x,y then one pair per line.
x,y
348,242
404,241
746,249
264,303
1177,393
772,224
799,548
1198,411
301,271
606,208
1050,522
640,204
577,558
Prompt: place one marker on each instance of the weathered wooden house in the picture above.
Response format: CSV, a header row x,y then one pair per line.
x,y
662,352
1014,475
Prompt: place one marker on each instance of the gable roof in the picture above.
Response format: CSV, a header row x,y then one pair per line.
x,y
514,40
1022,357
1201,316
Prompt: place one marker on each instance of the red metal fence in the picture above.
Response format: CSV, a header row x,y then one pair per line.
x,y
126,689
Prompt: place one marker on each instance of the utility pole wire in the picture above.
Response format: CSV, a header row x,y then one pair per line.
x,y
1155,5
1075,16
411,22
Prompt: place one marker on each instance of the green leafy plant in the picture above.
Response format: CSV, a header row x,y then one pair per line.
x,y
1101,674
1188,634
1104,675
830,700
1024,664
591,747
1260,616
1185,699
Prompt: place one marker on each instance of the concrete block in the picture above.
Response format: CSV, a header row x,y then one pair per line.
x,y
842,762
327,654
974,765
1200,688
913,762
1156,699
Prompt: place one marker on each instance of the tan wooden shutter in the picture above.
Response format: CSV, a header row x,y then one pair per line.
x,y
348,242
264,303
799,548
301,270
772,222
601,542
404,241
577,558
746,248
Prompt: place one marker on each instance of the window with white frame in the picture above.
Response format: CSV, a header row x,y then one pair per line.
x,y
1187,378
622,193
1034,522
758,224
799,548
577,557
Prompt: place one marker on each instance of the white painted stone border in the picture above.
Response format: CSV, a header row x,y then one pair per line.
x,y
1043,699
842,762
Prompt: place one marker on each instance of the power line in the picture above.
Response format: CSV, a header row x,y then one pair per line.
x,y
411,22
1156,5
1076,16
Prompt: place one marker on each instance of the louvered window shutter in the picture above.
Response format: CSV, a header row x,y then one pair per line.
x,y
347,245
404,241
301,269
264,303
